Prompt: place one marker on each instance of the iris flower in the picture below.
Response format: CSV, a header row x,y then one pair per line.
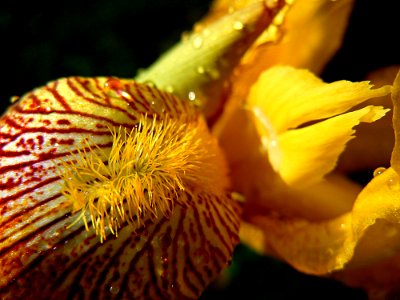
x,y
134,189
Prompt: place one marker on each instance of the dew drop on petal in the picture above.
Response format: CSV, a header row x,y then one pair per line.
x,y
379,171
14,99
169,89
393,184
113,84
201,70
192,96
114,289
237,25
197,42
150,83
157,105
115,88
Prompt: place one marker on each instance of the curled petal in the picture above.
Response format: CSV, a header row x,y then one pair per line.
x,y
308,154
284,98
45,249
290,97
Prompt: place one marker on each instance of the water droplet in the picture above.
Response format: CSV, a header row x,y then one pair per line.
x,y
115,88
237,25
197,42
164,260
157,105
393,184
169,89
113,84
379,171
114,289
201,70
14,99
192,96
150,83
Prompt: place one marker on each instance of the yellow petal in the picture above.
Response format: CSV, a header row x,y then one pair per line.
x,y
253,176
365,238
291,97
307,154
308,37
45,250
370,233
312,33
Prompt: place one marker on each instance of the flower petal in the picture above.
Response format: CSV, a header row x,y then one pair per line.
x,y
361,246
312,33
307,154
304,36
263,189
290,97
46,253
368,234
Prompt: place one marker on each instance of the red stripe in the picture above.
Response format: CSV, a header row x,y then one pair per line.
x,y
13,153
57,96
29,190
75,113
45,157
26,210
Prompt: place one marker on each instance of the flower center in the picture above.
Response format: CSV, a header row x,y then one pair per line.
x,y
147,171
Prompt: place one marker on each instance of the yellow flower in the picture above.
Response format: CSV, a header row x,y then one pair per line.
x,y
283,130
119,188
362,240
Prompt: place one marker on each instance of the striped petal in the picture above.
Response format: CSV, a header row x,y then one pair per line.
x,y
45,250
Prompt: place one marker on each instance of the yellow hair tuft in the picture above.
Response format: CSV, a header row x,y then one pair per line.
x,y
148,169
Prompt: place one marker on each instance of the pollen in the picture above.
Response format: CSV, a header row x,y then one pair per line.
x,y
148,170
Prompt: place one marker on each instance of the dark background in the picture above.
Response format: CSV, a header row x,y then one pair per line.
x,y
40,42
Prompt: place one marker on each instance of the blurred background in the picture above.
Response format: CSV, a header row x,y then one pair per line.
x,y
41,42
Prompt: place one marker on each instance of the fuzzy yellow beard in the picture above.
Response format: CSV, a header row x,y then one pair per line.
x,y
149,169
